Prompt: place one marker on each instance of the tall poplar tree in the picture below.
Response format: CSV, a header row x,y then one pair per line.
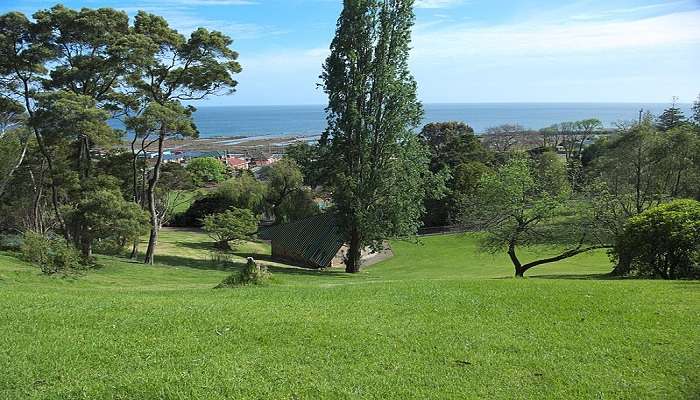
x,y
377,167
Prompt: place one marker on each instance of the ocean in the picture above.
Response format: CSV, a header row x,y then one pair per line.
x,y
309,120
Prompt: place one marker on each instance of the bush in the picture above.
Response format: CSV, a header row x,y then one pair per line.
x,y
663,242
53,255
232,225
252,274
11,242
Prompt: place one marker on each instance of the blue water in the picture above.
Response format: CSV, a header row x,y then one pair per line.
x,y
309,120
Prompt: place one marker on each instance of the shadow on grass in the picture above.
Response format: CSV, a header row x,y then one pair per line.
x,y
197,245
588,277
185,262
292,269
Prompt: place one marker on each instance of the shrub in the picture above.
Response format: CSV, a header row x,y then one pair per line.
x,y
53,255
252,274
11,242
233,225
663,241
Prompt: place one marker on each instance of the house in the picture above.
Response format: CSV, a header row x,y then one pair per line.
x,y
314,242
236,163
260,159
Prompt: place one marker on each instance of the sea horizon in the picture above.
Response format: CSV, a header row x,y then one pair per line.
x,y
309,120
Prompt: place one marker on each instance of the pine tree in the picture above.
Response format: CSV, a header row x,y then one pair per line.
x,y
672,117
376,165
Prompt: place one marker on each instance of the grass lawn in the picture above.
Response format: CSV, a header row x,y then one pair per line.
x,y
439,320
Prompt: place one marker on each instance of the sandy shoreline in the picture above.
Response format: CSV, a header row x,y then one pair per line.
x,y
233,144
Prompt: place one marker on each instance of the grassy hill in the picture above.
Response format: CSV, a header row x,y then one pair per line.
x,y
439,320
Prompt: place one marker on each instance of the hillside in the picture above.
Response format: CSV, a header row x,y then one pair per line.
x,y
438,320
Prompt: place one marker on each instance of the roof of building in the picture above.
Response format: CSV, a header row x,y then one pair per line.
x,y
235,161
316,238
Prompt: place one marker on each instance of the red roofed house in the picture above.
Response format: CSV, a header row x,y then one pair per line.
x,y
236,163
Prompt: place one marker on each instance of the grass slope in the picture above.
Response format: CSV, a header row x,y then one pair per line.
x,y
437,321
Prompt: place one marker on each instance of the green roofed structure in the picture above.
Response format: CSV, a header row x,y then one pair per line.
x,y
314,242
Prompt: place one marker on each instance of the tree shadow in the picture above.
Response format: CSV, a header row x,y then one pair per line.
x,y
580,277
195,263
197,245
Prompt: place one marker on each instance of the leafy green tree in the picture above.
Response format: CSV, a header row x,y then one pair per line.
x,y
243,191
206,170
453,149
171,69
106,215
378,169
234,225
309,159
23,55
528,202
297,205
283,178
663,241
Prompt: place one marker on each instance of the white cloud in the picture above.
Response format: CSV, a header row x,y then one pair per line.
x,y
436,3
541,38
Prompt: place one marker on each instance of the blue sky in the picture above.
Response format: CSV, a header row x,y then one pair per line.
x,y
463,50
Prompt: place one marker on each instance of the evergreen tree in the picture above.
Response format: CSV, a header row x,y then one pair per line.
x,y
672,117
377,166
696,111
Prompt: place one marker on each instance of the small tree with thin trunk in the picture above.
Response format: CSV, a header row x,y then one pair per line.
x,y
170,69
234,225
526,203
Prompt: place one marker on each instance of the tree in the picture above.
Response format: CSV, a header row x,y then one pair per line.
x,y
243,191
172,69
663,241
234,225
528,202
670,118
644,167
106,215
283,178
378,170
309,159
503,138
696,111
206,170
454,149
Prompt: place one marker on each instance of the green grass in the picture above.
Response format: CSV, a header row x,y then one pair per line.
x,y
439,320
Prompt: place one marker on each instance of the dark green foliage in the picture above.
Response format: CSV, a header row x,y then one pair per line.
x,y
661,242
206,170
252,274
378,168
309,160
454,150
284,179
52,254
240,192
672,117
297,205
11,242
233,225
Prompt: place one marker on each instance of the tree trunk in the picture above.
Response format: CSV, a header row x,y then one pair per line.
x,y
8,177
151,198
352,263
134,251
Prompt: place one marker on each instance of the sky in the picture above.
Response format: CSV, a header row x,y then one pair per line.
x,y
463,51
